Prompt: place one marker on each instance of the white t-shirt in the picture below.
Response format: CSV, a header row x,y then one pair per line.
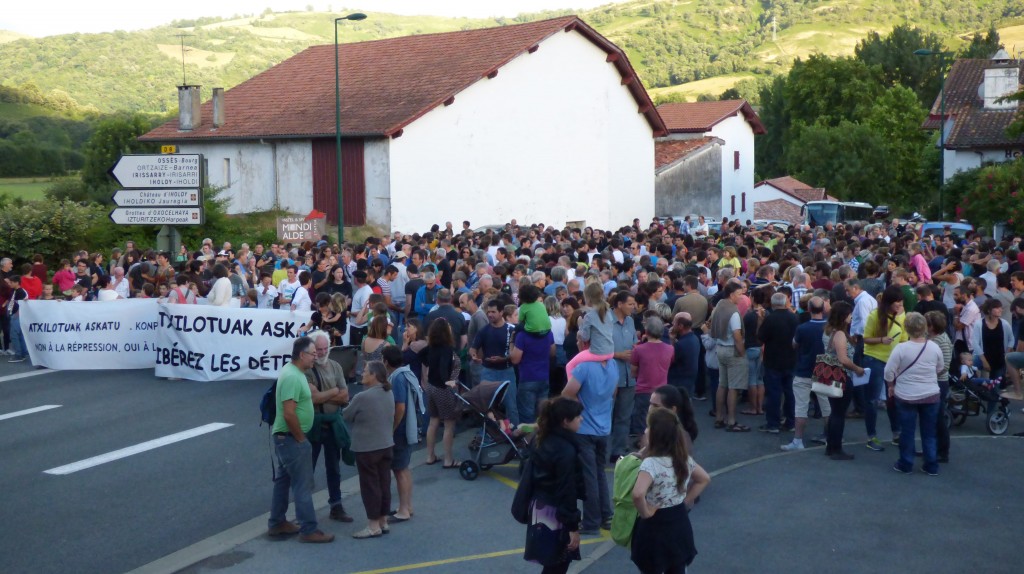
x,y
301,300
359,299
558,329
663,492
287,290
265,301
735,324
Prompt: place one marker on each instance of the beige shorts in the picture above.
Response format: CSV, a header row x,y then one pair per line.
x,y
802,398
732,370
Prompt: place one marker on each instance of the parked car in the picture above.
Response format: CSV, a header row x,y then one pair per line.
x,y
939,228
880,212
777,224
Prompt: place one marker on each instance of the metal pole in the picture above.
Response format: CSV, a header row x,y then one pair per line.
x,y
942,134
337,138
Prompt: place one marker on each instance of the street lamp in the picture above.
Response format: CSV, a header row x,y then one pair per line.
x,y
337,126
924,53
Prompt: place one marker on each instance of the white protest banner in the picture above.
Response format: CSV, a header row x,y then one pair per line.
x,y
99,336
204,343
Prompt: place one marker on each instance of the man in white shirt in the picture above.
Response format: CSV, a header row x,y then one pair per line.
x,y
967,316
287,288
119,283
266,293
360,308
991,277
863,305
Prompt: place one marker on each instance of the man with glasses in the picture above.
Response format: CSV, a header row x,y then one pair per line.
x,y
293,454
327,385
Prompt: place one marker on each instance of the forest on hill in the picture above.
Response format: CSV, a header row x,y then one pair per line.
x,y
669,42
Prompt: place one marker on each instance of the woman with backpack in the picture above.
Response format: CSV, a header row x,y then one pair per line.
x,y
668,483
181,293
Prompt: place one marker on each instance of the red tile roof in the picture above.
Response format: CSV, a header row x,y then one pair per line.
x,y
973,127
777,209
795,188
700,117
671,151
385,84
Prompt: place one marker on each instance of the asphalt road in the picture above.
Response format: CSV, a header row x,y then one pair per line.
x,y
199,505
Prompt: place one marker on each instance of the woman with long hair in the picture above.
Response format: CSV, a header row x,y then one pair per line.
x,y
596,327
441,368
836,339
882,332
668,483
370,416
557,485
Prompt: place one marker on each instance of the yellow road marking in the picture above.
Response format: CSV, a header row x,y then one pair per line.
x,y
506,481
457,559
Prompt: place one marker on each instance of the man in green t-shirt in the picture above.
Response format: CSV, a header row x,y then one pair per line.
x,y
293,453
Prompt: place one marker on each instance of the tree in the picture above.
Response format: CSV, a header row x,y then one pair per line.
x,y
981,46
894,55
997,196
849,159
112,139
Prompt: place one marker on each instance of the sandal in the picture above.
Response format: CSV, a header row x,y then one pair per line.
x,y
429,462
749,413
367,533
737,427
454,464
719,424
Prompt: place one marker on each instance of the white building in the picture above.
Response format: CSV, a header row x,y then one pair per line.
x,y
975,119
734,123
541,122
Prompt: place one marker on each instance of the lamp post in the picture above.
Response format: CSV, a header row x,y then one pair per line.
x,y
924,53
337,126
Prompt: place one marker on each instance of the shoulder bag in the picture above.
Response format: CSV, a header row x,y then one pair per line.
x,y
523,498
830,376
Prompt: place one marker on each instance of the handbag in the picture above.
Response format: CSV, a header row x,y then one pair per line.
x,y
831,377
523,498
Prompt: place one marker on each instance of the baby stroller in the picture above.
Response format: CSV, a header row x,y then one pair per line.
x,y
495,443
969,399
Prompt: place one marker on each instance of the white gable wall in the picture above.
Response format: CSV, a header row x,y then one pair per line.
x,y
259,176
738,137
554,137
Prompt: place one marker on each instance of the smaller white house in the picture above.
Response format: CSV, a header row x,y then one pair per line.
x,y
976,118
734,123
782,198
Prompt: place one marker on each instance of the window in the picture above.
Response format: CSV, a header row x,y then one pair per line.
x,y
227,172
743,201
733,205
736,160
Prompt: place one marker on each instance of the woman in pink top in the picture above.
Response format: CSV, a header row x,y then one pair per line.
x,y
650,362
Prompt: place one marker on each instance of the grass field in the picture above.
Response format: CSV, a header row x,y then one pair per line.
x,y
27,188
713,86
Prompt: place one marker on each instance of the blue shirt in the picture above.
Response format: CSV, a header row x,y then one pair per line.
x,y
685,361
623,339
808,346
598,381
536,363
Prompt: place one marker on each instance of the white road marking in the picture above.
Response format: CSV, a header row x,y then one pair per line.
x,y
136,449
25,375
28,411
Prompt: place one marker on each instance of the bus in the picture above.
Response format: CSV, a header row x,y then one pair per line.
x,y
819,213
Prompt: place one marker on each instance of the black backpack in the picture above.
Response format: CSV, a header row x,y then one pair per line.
x,y
268,405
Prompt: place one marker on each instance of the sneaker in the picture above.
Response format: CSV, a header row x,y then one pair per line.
x,y
700,397
16,360
875,444
363,534
895,441
896,467
930,473
787,429
794,445
768,429
607,524
284,529
820,439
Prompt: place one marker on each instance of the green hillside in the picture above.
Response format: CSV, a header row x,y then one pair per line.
x,y
670,42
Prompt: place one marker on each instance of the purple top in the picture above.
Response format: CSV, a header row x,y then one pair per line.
x,y
536,362
653,360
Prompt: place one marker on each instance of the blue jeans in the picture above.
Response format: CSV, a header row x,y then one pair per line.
x,y
597,507
638,420
870,393
909,413
511,393
332,462
755,368
776,385
294,471
17,338
622,411
530,394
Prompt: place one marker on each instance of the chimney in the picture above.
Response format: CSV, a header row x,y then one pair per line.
x,y
218,107
190,115
1002,79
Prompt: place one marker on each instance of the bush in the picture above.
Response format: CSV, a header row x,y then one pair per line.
x,y
51,227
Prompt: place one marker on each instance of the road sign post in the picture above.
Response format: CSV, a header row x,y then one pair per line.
x,y
158,190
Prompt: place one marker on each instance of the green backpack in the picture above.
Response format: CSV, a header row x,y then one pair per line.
x,y
626,470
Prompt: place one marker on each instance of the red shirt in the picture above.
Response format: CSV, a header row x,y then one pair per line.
x,y
32,285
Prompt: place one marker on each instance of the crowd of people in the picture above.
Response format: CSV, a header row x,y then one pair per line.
x,y
738,318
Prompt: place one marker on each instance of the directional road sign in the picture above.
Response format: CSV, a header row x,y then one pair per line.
x,y
159,171
157,198
157,216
